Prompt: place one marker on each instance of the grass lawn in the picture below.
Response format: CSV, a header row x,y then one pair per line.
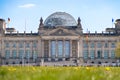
x,y
59,73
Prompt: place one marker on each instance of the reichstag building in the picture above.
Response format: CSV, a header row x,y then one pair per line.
x,y
59,40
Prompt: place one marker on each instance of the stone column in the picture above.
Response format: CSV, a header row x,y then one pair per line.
x,y
2,50
31,48
102,49
39,47
24,54
42,48
78,43
56,51
17,51
70,48
10,48
109,48
81,48
88,48
49,50
95,49
63,49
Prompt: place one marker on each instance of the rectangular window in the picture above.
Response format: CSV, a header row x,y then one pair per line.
x,y
53,48
85,45
7,45
14,53
27,45
112,54
34,44
106,54
67,48
113,45
7,54
92,54
14,45
99,44
106,45
85,54
27,53
46,48
21,45
35,54
92,45
60,48
21,54
74,48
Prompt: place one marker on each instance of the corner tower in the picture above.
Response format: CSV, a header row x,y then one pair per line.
x,y
2,27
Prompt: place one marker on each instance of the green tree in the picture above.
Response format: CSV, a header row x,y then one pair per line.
x,y
117,51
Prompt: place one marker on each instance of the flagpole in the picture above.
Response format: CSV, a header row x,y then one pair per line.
x,y
8,22
112,22
25,24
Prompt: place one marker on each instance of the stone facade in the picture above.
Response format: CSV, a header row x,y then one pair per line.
x,y
57,42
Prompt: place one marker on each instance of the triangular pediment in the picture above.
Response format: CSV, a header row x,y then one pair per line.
x,y
61,32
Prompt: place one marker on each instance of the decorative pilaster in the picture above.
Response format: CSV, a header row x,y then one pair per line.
x,y
80,48
56,49
102,49
63,48
78,43
88,49
42,48
24,54
49,48
109,54
17,49
70,48
39,47
95,49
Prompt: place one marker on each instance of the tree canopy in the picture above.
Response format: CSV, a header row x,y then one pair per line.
x,y
117,50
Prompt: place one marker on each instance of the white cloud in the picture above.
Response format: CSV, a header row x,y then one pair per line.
x,y
26,6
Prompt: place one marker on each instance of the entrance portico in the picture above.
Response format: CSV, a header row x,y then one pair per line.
x,y
60,48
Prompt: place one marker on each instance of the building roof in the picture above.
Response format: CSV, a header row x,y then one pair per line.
x,y
60,19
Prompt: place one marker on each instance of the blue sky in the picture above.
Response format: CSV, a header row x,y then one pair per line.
x,y
96,15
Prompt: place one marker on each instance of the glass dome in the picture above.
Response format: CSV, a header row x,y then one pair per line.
x,y
60,19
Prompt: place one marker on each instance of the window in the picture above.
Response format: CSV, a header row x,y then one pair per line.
x,y
99,54
34,44
21,54
27,53
14,53
60,48
112,54
85,54
27,45
7,45
99,44
85,45
7,54
46,48
106,45
67,48
112,45
92,54
35,54
92,45
106,54
53,48
14,45
21,44
74,47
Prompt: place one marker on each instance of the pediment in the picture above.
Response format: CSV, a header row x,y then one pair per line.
x,y
60,32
